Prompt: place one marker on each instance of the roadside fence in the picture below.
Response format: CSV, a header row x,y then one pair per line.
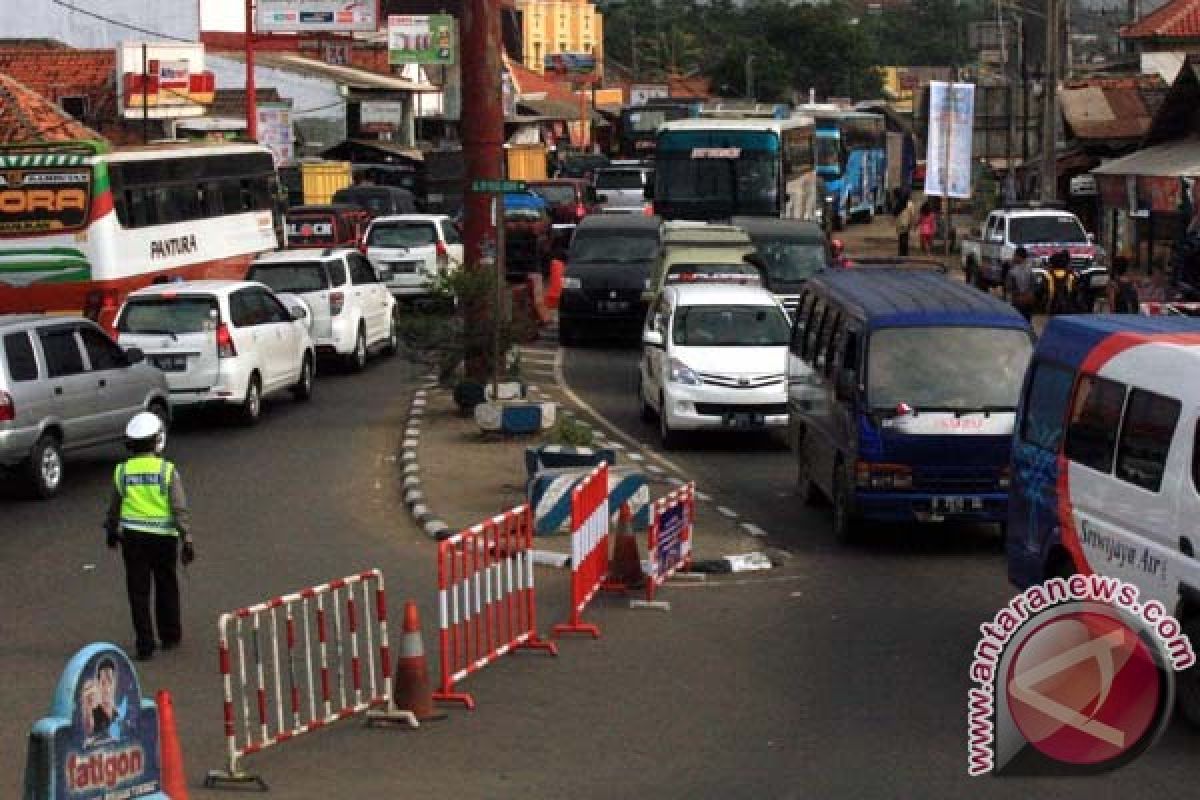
x,y
309,658
487,606
589,548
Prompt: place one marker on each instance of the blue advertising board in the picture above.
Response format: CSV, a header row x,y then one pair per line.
x,y
672,522
101,738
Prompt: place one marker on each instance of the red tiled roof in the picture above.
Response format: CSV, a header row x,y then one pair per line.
x,y
27,116
527,81
62,73
1178,19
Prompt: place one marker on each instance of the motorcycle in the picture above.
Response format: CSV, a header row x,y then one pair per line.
x,y
1067,288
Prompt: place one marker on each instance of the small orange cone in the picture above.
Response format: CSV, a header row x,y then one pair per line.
x,y
411,690
174,779
625,566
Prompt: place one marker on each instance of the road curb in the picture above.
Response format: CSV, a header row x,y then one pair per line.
x,y
414,497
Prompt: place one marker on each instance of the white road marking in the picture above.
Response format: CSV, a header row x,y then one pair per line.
x,y
727,512
753,530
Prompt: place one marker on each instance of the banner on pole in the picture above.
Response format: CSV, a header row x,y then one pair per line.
x,y
421,39
951,129
294,16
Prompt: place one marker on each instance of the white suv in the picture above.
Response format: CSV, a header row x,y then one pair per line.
x,y
714,356
350,311
410,250
221,342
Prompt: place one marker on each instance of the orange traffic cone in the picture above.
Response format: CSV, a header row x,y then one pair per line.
x,y
554,290
625,566
174,780
411,690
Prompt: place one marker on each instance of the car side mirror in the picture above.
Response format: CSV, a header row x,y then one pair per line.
x,y
652,339
846,384
134,355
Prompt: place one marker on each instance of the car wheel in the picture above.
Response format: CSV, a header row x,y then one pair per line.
x,y
805,489
1187,683
647,411
357,360
251,408
668,438
845,520
45,467
393,340
303,389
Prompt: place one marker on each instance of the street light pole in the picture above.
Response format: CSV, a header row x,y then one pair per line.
x,y
1049,168
251,89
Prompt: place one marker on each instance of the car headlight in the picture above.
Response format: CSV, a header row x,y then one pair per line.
x,y
572,283
682,373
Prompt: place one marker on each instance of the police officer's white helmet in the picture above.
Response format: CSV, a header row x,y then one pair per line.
x,y
145,427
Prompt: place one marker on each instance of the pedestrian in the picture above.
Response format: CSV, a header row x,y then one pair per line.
x,y
1122,291
147,516
904,222
1019,284
926,227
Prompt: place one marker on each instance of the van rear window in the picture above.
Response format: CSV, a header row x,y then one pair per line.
x,y
168,315
298,277
401,234
1046,405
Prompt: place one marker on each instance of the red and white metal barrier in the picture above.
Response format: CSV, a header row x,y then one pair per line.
x,y
589,547
319,663
486,601
669,541
1176,308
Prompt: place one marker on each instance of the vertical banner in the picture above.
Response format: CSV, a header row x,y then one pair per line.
x,y
275,131
948,155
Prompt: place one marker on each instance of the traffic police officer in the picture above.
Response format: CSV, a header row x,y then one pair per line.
x,y
147,516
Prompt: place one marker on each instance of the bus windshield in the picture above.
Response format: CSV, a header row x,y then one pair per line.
x,y
947,368
703,176
44,200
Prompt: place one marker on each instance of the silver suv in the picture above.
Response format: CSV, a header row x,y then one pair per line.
x,y
65,385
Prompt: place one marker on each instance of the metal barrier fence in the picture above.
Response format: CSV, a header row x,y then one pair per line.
x,y
669,542
322,665
589,548
486,601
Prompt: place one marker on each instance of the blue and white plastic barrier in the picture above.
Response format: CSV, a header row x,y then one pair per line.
x,y
549,494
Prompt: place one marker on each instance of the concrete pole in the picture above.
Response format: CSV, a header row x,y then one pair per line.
x,y
483,149
251,89
1049,168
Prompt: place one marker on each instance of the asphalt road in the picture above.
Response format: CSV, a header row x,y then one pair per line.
x,y
872,644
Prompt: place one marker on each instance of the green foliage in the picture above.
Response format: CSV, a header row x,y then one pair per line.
x,y
454,331
570,432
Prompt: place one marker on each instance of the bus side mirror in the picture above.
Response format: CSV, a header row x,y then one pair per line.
x,y
845,385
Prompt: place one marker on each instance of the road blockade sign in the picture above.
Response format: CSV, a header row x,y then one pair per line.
x,y
551,493
487,606
308,669
669,542
101,738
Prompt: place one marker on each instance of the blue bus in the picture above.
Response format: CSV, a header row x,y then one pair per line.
x,y
851,158
713,169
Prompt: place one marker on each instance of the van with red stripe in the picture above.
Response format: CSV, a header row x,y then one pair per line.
x,y
1106,461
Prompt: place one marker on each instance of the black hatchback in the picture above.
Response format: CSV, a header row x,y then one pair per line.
x,y
609,266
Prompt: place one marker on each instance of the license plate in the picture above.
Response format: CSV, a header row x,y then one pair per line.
x,y
611,306
744,419
956,505
170,363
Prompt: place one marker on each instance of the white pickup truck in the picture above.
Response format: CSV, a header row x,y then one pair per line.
x,y
1042,232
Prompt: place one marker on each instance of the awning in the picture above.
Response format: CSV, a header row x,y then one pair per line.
x,y
1177,159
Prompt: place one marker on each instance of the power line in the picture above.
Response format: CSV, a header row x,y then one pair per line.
x,y
117,22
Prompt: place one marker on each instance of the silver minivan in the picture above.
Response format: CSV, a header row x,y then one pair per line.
x,y
65,385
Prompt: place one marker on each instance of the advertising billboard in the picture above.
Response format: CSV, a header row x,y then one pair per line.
x,y
422,39
569,63
295,16
641,94
951,120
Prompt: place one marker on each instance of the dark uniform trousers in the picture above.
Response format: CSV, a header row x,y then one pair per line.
x,y
150,566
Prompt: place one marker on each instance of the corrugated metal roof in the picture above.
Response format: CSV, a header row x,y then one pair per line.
x,y
1105,112
1180,158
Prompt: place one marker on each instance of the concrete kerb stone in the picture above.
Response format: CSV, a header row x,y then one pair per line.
x,y
412,481
413,496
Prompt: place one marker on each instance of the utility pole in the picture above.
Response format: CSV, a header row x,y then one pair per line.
x,y
483,149
251,89
1049,167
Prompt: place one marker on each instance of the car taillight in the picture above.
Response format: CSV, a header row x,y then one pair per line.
x,y
648,209
580,211
225,348
443,255
336,301
8,410
868,475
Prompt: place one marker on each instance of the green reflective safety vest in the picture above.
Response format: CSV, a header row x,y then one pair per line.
x,y
144,485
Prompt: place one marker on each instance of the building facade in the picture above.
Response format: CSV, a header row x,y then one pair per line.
x,y
559,26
